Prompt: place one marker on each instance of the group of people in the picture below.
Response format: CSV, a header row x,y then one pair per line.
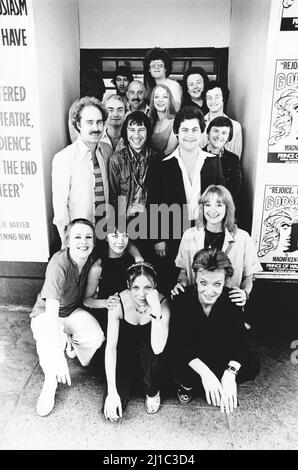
x,y
153,273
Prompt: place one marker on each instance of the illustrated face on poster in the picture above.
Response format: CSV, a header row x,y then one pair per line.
x,y
278,247
289,20
283,138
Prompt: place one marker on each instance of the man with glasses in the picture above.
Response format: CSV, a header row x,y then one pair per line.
x,y
157,68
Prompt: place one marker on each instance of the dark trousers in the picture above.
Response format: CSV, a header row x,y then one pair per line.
x,y
186,376
133,365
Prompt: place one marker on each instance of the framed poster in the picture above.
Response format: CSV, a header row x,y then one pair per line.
x,y
278,243
283,135
289,18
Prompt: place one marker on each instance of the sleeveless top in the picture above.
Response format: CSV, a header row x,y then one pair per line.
x,y
113,275
159,140
134,336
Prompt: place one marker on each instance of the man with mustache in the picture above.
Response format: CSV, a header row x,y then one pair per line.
x,y
136,94
79,171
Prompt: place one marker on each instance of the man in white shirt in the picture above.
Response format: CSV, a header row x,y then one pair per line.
x,y
216,99
177,183
79,171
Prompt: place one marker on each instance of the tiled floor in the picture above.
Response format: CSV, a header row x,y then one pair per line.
x,y
267,416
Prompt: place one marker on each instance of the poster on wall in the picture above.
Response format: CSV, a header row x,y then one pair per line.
x,y
23,227
289,17
283,135
278,243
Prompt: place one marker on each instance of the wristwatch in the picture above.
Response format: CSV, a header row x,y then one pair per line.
x,y
233,370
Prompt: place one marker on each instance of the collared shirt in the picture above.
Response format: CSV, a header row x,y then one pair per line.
x,y
124,182
235,145
239,247
63,283
107,143
192,189
144,110
73,182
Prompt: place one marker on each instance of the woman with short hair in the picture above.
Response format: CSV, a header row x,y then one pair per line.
x,y
210,348
58,319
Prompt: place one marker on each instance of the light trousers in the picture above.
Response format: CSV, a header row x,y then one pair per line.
x,y
80,328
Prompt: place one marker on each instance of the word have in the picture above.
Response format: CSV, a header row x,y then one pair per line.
x,y
13,37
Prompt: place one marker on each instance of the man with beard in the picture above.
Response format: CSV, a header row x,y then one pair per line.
x,y
136,94
79,171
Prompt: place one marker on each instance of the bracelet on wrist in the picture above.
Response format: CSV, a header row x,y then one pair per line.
x,y
155,317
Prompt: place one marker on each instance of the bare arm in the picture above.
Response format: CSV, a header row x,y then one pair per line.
x,y
112,406
92,283
134,251
159,323
54,338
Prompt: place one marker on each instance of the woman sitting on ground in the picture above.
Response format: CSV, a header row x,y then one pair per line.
x,y
58,320
216,228
210,352
162,113
137,335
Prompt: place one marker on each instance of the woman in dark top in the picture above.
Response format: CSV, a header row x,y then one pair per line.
x,y
194,86
107,275
137,335
211,351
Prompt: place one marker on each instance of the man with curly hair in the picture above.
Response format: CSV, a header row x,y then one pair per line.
x,y
157,68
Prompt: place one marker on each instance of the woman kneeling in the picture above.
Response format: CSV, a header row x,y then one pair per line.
x,y
211,352
57,319
137,335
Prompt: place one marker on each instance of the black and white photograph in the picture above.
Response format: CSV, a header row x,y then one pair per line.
x,y
148,228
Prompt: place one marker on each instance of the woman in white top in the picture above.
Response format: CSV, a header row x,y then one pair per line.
x,y
162,113
157,68
216,228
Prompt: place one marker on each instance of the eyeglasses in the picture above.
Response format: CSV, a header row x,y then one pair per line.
x,y
157,64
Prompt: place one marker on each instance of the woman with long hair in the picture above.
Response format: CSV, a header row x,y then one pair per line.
x,y
162,112
137,335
